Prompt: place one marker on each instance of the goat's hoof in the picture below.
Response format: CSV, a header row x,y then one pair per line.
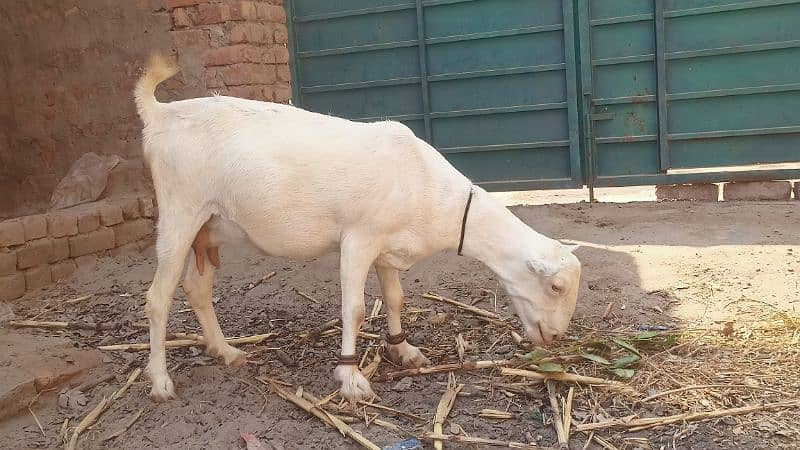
x,y
355,387
408,356
232,356
163,389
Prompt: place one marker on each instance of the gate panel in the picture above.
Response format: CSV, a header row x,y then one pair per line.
x,y
490,83
690,84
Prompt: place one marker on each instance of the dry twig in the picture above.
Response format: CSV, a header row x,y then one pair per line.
x,y
451,367
477,440
325,416
444,407
634,424
255,339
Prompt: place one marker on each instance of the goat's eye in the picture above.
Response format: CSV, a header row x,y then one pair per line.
x,y
556,288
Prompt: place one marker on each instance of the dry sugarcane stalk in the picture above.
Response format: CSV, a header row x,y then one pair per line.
x,y
62,433
131,379
79,299
372,368
261,280
444,407
557,417
305,296
568,412
314,333
124,428
640,424
86,422
473,309
395,411
710,386
255,339
495,414
461,347
100,408
320,403
60,325
324,416
565,377
476,440
451,367
521,342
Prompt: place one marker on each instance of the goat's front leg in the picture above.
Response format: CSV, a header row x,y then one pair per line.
x,y
355,262
399,349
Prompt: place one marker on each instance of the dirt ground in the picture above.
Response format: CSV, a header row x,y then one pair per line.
x,y
719,277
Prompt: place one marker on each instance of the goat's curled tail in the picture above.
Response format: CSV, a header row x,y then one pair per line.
x,y
159,68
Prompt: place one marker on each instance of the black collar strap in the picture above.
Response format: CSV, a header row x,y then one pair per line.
x,y
464,220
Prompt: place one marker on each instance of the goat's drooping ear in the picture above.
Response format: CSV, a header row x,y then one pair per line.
x,y
541,267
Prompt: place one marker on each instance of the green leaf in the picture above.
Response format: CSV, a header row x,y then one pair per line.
x,y
550,367
646,335
671,340
623,373
626,361
626,345
536,354
596,358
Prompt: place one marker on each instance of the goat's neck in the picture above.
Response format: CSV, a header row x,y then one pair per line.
x,y
496,237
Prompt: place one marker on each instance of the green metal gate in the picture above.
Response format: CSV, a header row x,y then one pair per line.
x,y
689,84
526,94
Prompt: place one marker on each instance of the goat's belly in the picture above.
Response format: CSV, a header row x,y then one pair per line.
x,y
292,240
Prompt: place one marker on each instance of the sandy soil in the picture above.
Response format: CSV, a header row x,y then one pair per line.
x,y
681,265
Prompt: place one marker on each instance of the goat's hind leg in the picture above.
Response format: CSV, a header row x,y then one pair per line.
x,y
175,234
198,287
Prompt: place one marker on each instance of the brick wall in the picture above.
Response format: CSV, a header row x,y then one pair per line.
x,y
41,249
68,67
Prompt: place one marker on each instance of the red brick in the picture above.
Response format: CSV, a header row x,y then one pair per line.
x,y
758,190
62,270
110,215
246,73
146,207
251,32
271,13
240,53
60,249
96,241
11,233
88,221
12,286
62,224
280,54
180,3
797,190
283,73
181,18
38,277
283,92
244,10
213,79
706,192
8,262
190,38
34,253
128,232
213,13
281,34
35,226
129,206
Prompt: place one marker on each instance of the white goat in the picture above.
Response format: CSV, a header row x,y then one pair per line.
x,y
299,184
